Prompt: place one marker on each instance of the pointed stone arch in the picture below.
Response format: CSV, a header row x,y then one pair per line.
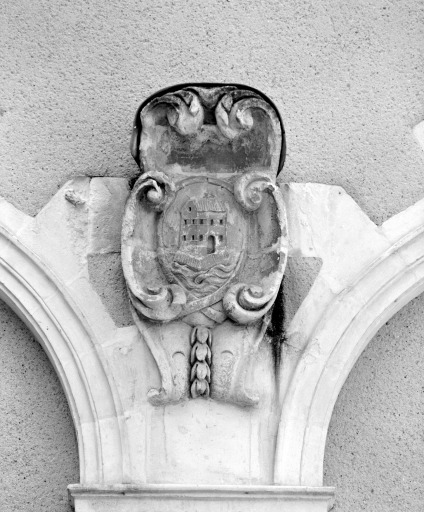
x,y
40,300
344,329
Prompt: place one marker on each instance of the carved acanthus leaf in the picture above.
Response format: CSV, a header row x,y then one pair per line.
x,y
246,304
154,189
187,114
161,304
249,189
235,116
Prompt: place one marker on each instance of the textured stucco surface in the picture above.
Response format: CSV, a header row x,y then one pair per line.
x,y
38,451
375,446
347,78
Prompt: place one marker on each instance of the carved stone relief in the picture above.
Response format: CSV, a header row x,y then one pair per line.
x,y
135,456
204,239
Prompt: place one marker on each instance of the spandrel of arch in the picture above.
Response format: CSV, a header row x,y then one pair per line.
x,y
341,333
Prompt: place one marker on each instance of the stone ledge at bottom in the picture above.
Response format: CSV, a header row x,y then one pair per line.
x,y
214,498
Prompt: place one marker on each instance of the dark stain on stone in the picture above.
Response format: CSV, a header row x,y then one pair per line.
x,y
276,331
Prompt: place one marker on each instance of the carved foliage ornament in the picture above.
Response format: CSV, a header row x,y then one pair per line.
x,y
204,236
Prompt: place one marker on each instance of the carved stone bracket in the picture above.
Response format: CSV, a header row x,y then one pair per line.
x,y
204,236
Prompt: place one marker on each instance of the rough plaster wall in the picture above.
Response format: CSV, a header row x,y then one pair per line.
x,y
375,446
347,77
38,451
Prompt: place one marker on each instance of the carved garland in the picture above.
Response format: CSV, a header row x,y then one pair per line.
x,y
200,360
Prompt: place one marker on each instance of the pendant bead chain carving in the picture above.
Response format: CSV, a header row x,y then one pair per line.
x,y
200,360
204,237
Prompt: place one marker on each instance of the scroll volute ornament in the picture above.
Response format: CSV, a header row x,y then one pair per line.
x,y
204,237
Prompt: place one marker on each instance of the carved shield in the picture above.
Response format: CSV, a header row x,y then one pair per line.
x,y
204,234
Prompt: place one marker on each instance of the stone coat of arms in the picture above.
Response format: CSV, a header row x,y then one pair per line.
x,y
204,239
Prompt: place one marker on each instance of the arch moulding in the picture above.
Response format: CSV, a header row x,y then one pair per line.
x,y
351,303
137,456
38,297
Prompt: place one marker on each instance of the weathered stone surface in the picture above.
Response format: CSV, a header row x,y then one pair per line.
x,y
106,206
107,279
211,498
204,241
347,75
367,273
419,133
